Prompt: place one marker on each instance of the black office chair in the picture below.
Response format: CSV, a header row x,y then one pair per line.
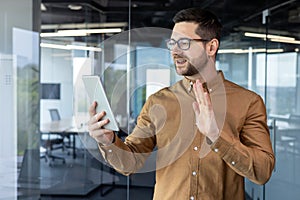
x,y
52,141
55,116
49,143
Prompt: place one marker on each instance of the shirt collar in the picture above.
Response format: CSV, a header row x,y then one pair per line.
x,y
211,85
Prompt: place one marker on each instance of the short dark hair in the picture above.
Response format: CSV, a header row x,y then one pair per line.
x,y
209,26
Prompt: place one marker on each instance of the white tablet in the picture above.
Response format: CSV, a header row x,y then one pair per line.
x,y
97,93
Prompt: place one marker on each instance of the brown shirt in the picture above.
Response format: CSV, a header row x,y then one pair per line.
x,y
187,165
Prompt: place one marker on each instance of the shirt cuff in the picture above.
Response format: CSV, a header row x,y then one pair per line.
x,y
108,151
222,144
226,147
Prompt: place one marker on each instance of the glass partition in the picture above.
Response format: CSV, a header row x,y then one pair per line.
x,y
259,53
72,159
241,59
19,88
282,83
268,63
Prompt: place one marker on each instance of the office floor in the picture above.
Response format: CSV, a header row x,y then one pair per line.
x,y
118,193
84,178
85,170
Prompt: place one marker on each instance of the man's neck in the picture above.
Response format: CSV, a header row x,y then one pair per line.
x,y
203,76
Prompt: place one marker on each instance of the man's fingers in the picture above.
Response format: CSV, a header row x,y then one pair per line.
x,y
97,117
202,94
92,109
208,100
98,125
199,92
196,108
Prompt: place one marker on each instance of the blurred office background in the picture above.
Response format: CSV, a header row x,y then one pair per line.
x,y
47,45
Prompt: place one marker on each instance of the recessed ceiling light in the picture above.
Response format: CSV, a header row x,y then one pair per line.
x,y
75,7
80,32
43,7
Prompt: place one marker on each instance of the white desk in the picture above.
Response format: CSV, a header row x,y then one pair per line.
x,y
70,127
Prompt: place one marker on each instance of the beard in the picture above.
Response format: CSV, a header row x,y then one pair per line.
x,y
188,70
186,66
191,70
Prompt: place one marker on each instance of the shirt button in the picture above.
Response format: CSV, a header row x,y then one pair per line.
x,y
232,163
109,150
192,198
194,173
216,150
195,148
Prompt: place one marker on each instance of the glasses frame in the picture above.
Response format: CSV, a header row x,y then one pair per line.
x,y
189,42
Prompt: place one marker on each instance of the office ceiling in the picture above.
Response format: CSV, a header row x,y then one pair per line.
x,y
236,15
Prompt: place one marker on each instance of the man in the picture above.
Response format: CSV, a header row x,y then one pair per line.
x,y
209,133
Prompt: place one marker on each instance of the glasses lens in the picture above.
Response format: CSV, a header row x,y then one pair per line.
x,y
184,44
170,44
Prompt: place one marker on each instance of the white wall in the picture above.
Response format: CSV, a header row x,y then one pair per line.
x,y
57,67
8,134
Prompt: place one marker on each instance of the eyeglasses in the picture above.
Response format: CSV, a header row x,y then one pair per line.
x,y
183,43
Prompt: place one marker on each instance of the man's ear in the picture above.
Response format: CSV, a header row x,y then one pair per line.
x,y
212,47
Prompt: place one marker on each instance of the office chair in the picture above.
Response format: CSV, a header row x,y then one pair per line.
x,y
55,116
52,141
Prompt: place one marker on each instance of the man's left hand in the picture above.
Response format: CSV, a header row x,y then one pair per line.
x,y
205,117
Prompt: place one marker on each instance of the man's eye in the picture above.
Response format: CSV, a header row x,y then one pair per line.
x,y
184,43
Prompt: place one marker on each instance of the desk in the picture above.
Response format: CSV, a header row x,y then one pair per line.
x,y
64,126
79,177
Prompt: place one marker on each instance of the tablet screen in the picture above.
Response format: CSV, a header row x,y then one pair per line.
x,y
97,93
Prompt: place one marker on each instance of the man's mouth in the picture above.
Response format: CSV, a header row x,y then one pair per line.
x,y
180,61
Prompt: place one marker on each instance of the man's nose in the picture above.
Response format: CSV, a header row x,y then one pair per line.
x,y
176,50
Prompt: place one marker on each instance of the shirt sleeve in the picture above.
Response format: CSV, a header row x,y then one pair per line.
x,y
250,154
129,156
